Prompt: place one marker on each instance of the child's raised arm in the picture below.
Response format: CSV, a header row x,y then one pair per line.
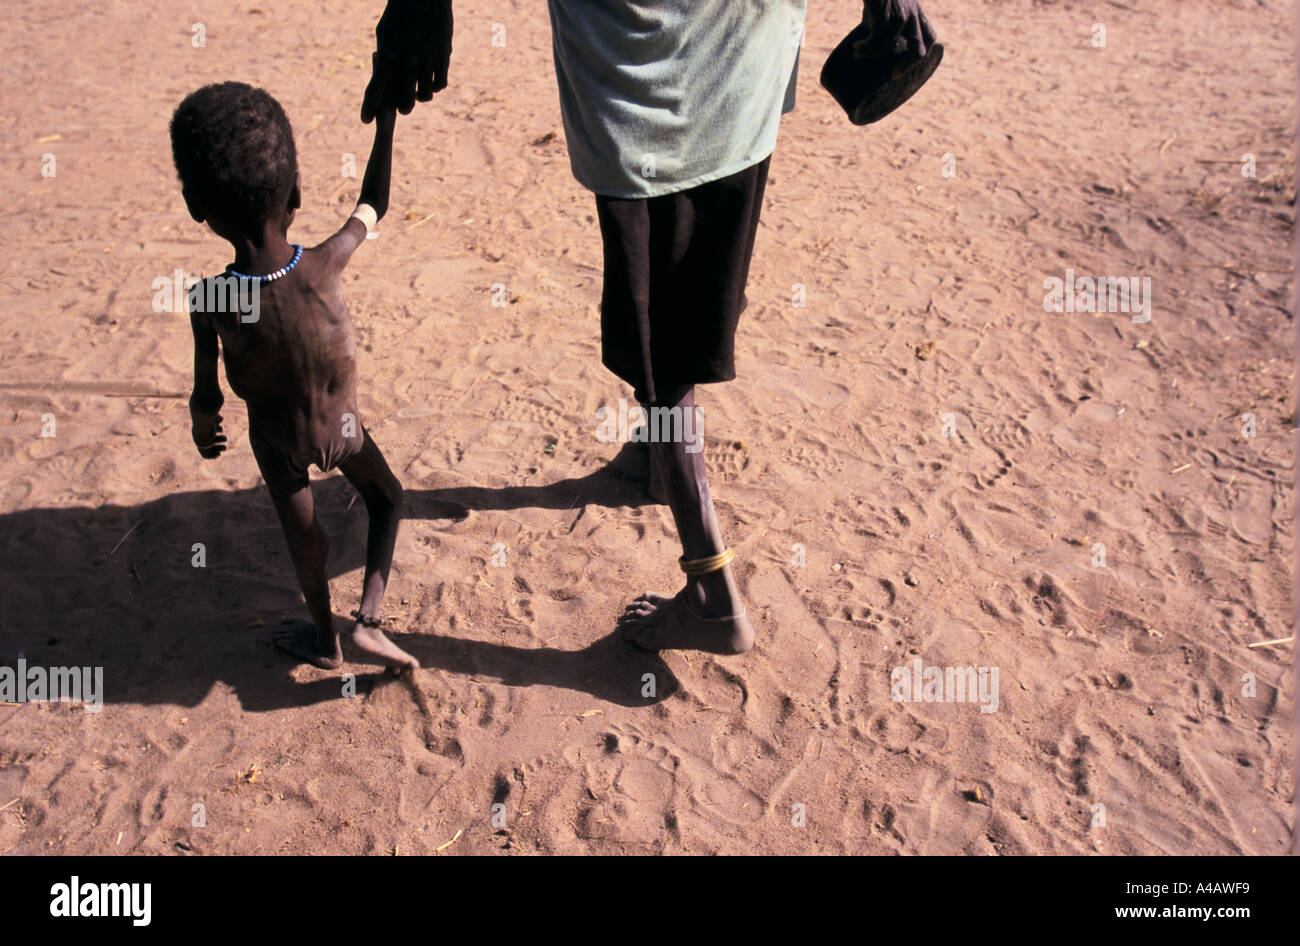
x,y
374,185
373,202
206,399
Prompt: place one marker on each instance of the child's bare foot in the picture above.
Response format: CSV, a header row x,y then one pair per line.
x,y
373,642
300,639
654,622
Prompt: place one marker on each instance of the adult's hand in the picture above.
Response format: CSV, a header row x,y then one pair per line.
x,y
413,51
898,29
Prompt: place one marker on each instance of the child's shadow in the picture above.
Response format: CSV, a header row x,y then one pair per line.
x,y
176,595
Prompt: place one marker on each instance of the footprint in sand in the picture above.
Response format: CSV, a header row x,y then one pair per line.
x,y
431,735
1073,762
709,791
1048,600
716,688
532,411
896,731
884,821
726,460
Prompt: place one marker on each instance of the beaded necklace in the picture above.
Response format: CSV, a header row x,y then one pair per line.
x,y
271,277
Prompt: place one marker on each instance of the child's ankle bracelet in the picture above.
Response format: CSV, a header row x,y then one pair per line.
x,y
365,620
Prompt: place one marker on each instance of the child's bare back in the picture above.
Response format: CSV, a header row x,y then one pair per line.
x,y
295,367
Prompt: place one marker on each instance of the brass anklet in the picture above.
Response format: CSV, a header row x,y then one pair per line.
x,y
706,566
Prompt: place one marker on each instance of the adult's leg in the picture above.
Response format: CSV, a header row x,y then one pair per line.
x,y
368,472
707,613
675,273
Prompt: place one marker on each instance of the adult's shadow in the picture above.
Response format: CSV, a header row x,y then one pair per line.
x,y
179,594
621,482
609,668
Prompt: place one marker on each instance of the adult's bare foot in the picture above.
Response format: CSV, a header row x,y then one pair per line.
x,y
656,622
299,638
373,642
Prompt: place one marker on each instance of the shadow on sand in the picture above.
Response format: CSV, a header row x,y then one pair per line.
x,y
114,586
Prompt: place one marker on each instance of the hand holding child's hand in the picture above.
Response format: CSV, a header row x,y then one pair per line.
x,y
206,431
413,43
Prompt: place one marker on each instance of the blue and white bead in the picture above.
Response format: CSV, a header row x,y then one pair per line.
x,y
279,273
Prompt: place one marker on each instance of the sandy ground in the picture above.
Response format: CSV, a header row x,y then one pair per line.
x,y
1125,721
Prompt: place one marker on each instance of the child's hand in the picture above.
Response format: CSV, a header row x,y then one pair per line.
x,y
206,431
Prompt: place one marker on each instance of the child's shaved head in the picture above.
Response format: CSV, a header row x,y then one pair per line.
x,y
233,148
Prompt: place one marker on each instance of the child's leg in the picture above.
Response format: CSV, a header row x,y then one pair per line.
x,y
382,494
316,642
